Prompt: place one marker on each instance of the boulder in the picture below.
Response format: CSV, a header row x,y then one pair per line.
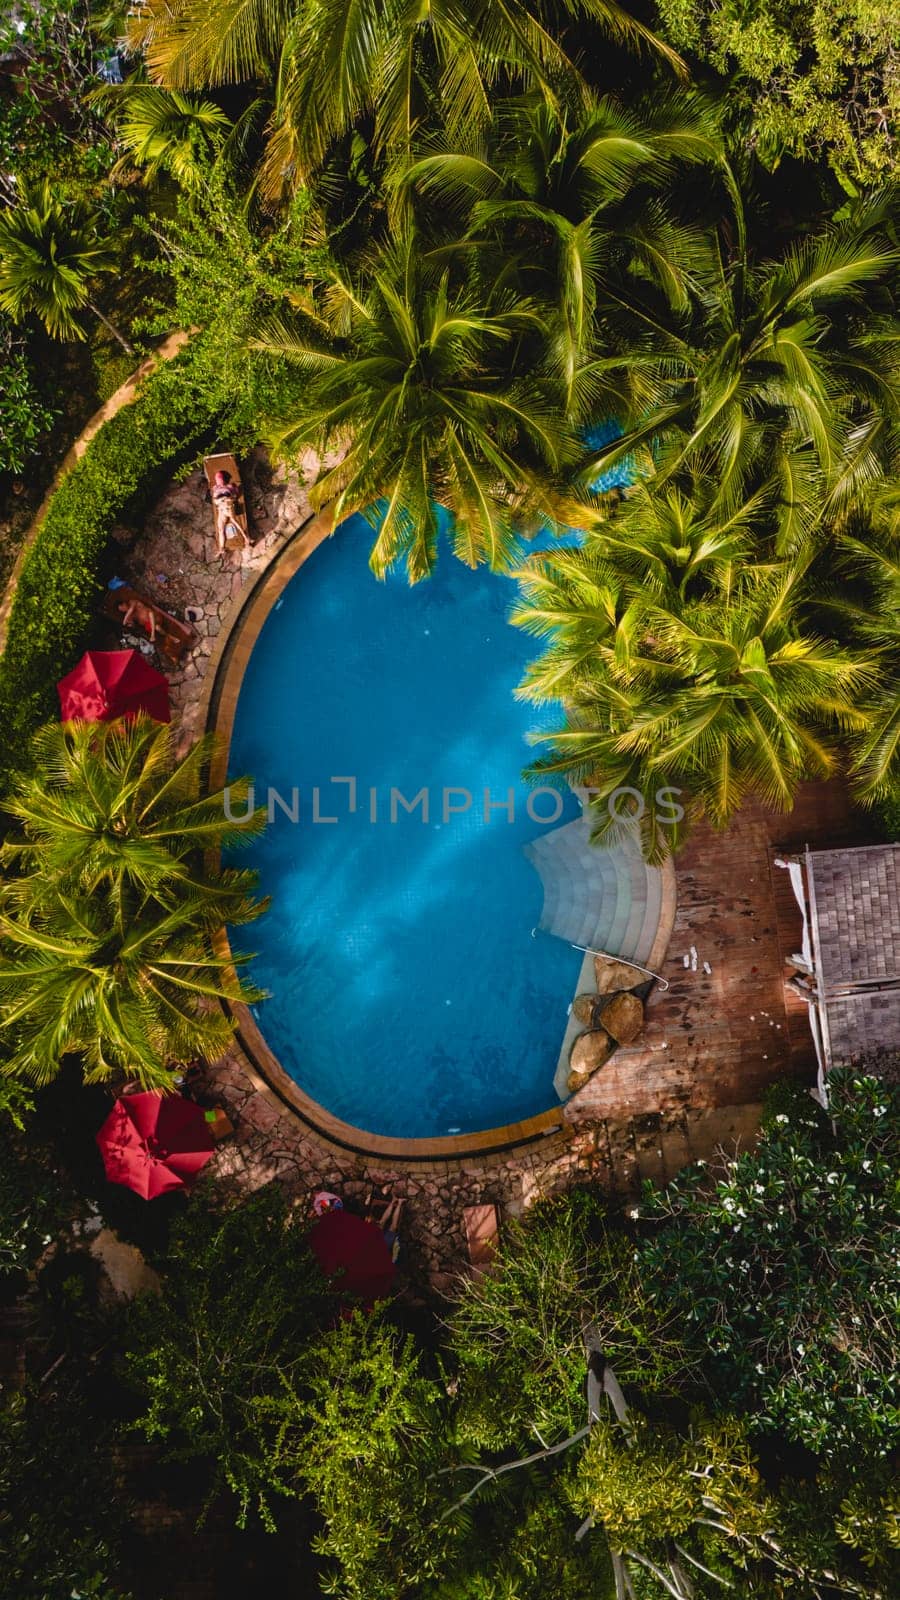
x,y
613,975
589,1052
583,1008
623,1017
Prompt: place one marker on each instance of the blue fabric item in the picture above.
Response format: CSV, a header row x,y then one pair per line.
x,y
110,70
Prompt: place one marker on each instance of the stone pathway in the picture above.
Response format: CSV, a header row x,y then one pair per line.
x,y
173,559
713,1041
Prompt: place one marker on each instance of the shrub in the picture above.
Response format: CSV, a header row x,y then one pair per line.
x,y
782,1273
59,584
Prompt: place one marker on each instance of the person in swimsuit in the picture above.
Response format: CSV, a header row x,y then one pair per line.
x,y
225,495
134,611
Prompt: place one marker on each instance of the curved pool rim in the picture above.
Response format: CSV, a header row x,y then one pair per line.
x,y
219,700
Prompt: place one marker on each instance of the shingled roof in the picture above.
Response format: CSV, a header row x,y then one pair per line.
x,y
854,905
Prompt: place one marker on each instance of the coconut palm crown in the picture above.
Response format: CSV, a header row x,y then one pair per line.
x,y
110,903
332,64
49,253
416,382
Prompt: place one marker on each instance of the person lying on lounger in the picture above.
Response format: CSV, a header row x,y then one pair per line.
x,y
389,1223
134,611
225,495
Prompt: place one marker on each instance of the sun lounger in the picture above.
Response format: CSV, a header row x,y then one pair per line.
x,y
173,638
482,1235
237,508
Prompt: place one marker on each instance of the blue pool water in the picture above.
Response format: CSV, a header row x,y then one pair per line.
x,y
408,994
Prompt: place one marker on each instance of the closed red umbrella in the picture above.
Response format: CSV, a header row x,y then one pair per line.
x,y
355,1250
154,1142
113,683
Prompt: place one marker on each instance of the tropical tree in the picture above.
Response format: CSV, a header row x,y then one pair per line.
x,y
417,379
49,253
808,81
110,905
778,374
166,131
570,204
726,695
782,1270
330,66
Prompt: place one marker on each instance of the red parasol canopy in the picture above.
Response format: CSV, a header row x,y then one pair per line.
x,y
113,683
346,1244
154,1142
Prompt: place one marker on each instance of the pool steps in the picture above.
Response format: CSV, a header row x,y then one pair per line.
x,y
607,899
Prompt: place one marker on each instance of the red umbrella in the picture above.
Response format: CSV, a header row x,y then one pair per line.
x,y
113,683
347,1244
154,1142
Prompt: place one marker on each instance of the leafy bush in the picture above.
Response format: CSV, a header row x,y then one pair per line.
x,y
62,1518
815,79
31,1200
518,1334
59,585
783,1272
24,417
217,1356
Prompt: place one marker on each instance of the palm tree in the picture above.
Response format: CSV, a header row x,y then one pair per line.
x,y
49,252
166,131
331,64
415,379
777,376
570,205
725,695
111,903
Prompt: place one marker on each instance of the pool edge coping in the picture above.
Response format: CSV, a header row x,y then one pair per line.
x,y
217,707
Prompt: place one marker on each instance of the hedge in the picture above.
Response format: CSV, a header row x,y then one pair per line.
x,y
56,599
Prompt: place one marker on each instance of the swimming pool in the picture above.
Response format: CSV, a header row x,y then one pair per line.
x,y
409,993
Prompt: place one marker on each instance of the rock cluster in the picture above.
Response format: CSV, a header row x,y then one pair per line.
x,y
613,1015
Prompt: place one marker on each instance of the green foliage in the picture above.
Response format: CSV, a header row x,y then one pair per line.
x,y
49,254
809,79
218,1358
108,916
782,1273
61,1515
419,389
887,815
228,269
31,1208
59,586
47,124
518,1333
519,1544
369,1456
162,132
730,628
646,1485
328,69
25,418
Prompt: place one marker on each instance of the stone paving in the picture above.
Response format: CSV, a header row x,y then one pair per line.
x,y
713,1041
